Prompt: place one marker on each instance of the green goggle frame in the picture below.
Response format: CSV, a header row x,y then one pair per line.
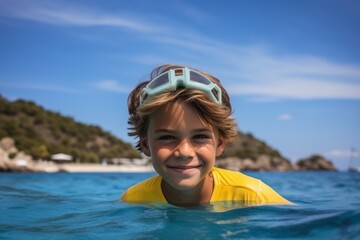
x,y
185,77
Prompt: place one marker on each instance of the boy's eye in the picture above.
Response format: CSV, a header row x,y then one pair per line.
x,y
166,137
201,136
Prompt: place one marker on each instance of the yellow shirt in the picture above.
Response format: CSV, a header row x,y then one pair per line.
x,y
228,186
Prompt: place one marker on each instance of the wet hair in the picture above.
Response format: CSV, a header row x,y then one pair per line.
x,y
219,116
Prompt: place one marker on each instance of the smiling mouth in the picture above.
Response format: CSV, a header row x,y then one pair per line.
x,y
184,167
185,170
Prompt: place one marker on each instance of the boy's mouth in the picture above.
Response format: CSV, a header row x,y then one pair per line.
x,y
185,169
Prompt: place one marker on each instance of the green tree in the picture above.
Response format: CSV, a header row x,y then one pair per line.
x,y
39,152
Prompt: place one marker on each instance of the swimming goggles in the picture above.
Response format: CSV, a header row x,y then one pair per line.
x,y
184,77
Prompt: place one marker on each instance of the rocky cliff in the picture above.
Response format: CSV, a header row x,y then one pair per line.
x,y
262,163
249,153
13,160
314,163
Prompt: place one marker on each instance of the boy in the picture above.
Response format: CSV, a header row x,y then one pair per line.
x,y
182,119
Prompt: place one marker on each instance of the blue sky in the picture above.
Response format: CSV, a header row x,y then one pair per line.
x,y
292,68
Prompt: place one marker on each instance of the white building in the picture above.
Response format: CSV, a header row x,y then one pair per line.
x,y
61,158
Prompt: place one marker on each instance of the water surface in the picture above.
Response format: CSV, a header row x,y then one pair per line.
x,y
86,206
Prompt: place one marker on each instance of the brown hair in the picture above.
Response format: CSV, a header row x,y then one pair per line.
x,y
216,115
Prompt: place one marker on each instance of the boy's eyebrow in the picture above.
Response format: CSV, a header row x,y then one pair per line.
x,y
174,130
202,130
164,130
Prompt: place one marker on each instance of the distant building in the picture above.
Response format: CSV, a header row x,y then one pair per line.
x,y
61,158
21,162
126,161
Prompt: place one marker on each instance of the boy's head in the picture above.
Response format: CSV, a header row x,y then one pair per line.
x,y
177,83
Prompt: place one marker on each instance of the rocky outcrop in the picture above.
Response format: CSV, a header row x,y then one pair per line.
x,y
262,163
314,163
12,160
268,163
7,149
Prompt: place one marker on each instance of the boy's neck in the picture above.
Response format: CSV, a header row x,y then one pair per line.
x,y
201,194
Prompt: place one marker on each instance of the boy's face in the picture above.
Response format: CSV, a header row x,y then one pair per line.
x,y
183,147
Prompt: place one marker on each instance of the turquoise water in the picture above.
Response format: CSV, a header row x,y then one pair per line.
x,y
86,206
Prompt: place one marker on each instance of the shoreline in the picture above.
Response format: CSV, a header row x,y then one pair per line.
x,y
98,168
50,167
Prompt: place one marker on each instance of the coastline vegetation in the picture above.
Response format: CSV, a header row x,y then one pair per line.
x,y
41,133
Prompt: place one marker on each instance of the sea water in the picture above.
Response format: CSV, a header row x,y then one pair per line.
x,y
86,206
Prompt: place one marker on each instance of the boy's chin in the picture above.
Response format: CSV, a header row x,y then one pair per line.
x,y
185,185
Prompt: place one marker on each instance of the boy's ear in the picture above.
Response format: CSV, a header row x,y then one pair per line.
x,y
145,147
220,147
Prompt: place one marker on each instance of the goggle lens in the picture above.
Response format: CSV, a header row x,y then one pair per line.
x,y
159,81
195,77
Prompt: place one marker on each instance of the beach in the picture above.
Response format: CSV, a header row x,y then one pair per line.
x,y
51,167
87,167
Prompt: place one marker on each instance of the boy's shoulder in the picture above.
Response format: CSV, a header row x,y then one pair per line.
x,y
148,190
231,185
226,177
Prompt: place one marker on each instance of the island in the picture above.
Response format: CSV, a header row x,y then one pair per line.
x,y
33,139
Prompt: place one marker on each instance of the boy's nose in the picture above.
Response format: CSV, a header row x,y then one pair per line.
x,y
184,150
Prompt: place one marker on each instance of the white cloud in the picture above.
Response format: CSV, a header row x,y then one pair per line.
x,y
54,13
285,117
250,71
344,153
112,86
302,88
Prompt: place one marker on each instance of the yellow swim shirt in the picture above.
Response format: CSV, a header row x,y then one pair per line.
x,y
228,186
